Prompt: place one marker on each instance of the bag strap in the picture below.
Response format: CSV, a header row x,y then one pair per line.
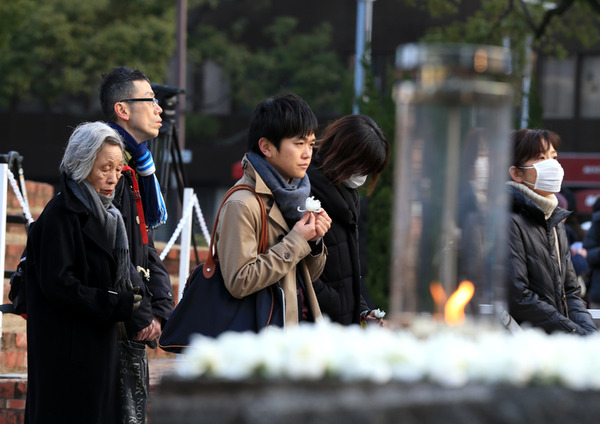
x,y
209,265
138,203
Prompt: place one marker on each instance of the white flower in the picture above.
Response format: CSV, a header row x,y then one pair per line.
x,y
311,205
450,356
379,314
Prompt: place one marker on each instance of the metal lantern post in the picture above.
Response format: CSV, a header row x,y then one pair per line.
x,y
453,122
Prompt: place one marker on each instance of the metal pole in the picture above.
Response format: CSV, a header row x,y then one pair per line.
x,y
526,83
369,22
359,52
181,67
364,24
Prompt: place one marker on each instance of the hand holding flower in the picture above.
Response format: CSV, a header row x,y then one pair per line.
x,y
322,223
374,315
378,313
311,205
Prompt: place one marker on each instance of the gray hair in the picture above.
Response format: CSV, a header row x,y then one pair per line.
x,y
84,145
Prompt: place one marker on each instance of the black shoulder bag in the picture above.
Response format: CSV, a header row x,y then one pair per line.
x,y
208,308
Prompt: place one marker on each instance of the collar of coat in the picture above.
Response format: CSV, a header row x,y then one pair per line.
x,y
524,205
90,226
71,202
341,203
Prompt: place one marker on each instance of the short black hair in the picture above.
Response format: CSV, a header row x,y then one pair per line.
x,y
279,117
118,85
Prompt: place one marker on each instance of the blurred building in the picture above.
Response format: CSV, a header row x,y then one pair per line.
x,y
570,90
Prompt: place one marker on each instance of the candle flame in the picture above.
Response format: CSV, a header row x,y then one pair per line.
x,y
454,312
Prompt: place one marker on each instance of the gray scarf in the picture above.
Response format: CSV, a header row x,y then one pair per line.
x,y
288,195
110,217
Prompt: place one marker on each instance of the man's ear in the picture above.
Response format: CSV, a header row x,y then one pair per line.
x,y
516,174
266,147
122,111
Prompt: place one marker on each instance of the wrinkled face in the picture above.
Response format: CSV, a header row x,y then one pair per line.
x,y
107,169
292,158
144,116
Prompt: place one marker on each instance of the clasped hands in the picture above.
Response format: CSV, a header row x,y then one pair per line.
x,y
313,225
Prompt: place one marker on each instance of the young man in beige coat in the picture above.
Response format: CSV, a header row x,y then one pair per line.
x,y
280,143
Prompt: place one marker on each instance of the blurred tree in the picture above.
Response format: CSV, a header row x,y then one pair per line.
x,y
497,22
58,48
291,60
549,25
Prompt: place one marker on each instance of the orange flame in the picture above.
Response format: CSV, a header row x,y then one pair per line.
x,y
439,297
454,312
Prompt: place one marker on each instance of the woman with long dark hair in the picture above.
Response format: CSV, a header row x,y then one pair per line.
x,y
351,151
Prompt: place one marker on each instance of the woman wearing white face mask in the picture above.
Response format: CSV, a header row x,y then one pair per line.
x,y
542,286
351,148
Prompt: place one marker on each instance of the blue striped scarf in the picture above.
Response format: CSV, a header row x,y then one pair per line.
x,y
155,211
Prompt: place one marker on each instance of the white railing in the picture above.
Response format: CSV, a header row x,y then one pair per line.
x,y
184,228
3,208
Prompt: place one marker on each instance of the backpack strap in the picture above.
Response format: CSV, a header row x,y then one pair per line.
x,y
209,265
138,203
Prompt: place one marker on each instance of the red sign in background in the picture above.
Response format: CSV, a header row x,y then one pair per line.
x,y
581,170
582,175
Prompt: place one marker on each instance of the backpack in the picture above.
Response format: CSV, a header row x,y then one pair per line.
x,y
18,290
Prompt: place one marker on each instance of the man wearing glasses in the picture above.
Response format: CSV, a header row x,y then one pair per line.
x,y
128,101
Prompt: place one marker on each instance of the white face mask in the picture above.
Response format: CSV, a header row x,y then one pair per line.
x,y
355,181
549,175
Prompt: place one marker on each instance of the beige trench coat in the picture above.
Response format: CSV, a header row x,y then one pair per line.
x,y
244,270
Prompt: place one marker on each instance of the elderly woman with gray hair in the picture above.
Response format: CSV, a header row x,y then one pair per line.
x,y
78,287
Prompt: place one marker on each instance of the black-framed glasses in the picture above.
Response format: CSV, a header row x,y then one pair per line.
x,y
154,100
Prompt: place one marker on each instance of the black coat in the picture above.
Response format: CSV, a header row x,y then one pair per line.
x,y
72,315
338,288
540,292
157,292
591,242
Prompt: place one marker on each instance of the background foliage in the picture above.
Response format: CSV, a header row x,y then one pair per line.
x,y
526,27
58,49
53,52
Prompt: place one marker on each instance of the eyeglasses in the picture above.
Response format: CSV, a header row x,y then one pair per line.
x,y
154,100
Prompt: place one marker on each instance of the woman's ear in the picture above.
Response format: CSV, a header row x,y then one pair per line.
x,y
265,147
516,174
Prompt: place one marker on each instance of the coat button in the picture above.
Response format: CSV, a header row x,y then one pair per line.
x,y
287,256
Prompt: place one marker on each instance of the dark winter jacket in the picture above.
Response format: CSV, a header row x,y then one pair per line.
x,y
157,293
72,315
591,243
541,292
338,288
